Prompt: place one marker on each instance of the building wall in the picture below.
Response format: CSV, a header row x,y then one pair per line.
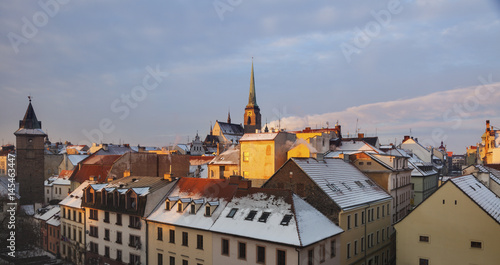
x,y
72,235
300,150
30,168
214,171
56,192
190,253
449,241
418,150
359,229
51,165
113,228
53,239
149,164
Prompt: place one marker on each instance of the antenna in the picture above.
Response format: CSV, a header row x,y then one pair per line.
x,y
356,131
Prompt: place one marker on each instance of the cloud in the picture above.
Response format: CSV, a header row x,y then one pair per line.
x,y
450,111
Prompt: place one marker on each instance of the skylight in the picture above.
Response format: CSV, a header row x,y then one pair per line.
x,y
286,219
369,182
346,186
232,213
251,215
264,216
333,187
359,184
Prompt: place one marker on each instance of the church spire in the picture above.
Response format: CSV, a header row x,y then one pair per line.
x,y
229,116
252,98
30,121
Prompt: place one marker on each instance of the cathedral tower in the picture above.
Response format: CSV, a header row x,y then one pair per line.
x,y
30,158
252,118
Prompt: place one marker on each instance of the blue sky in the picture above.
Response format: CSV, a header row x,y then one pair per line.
x,y
428,66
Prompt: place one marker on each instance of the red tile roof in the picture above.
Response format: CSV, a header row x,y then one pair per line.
x,y
97,166
65,174
208,188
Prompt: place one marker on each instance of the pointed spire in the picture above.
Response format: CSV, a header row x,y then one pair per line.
x,y
229,116
252,98
30,121
211,131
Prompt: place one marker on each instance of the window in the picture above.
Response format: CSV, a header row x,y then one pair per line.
x,y
356,247
134,259
134,222
184,262
79,217
118,255
251,215
264,216
207,211
179,207
106,251
356,220
261,254
106,217
160,234
160,259
423,261
225,247
172,260
118,237
348,222
348,250
193,209
94,248
242,250
332,249
322,251
286,219
171,236
94,232
93,214
378,237
383,210
246,156
424,239
134,241
383,234
476,244
232,213
199,242
80,236
362,244
310,257
362,218
185,239
106,234
378,212
118,219
369,163
281,257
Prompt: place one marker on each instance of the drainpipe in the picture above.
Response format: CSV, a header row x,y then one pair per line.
x,y
147,245
298,256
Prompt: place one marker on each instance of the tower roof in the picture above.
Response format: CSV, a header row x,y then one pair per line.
x,y
30,124
252,98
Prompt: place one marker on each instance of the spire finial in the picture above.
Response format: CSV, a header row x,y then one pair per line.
x,y
29,98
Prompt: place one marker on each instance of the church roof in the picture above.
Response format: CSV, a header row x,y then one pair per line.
x,y
30,124
230,128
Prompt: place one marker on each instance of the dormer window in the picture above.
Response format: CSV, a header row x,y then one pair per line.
x,y
116,198
179,207
207,211
167,205
89,195
131,200
210,208
193,209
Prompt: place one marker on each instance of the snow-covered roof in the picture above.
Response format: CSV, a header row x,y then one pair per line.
x,y
146,148
56,181
480,194
74,199
278,216
29,131
358,146
141,191
258,137
229,157
230,128
342,182
55,220
75,159
184,147
46,213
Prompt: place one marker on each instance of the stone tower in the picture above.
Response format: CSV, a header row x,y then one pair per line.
x,y
30,157
252,118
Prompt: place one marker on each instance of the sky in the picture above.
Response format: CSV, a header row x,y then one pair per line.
x,y
156,73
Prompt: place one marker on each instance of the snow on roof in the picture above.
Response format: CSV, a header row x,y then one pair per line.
x,y
56,181
55,220
46,213
480,194
340,180
230,128
30,131
229,157
98,187
258,137
358,146
141,191
184,147
146,148
75,159
262,212
74,199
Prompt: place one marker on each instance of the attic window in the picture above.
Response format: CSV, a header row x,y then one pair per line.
x,y
179,207
359,184
369,182
251,215
264,216
193,209
208,211
167,205
232,213
333,187
286,219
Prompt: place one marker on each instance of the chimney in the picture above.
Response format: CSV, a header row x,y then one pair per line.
x,y
169,177
105,147
244,184
361,135
141,148
345,157
406,137
487,125
318,156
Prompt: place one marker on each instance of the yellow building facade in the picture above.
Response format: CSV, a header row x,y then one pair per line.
x,y
452,226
